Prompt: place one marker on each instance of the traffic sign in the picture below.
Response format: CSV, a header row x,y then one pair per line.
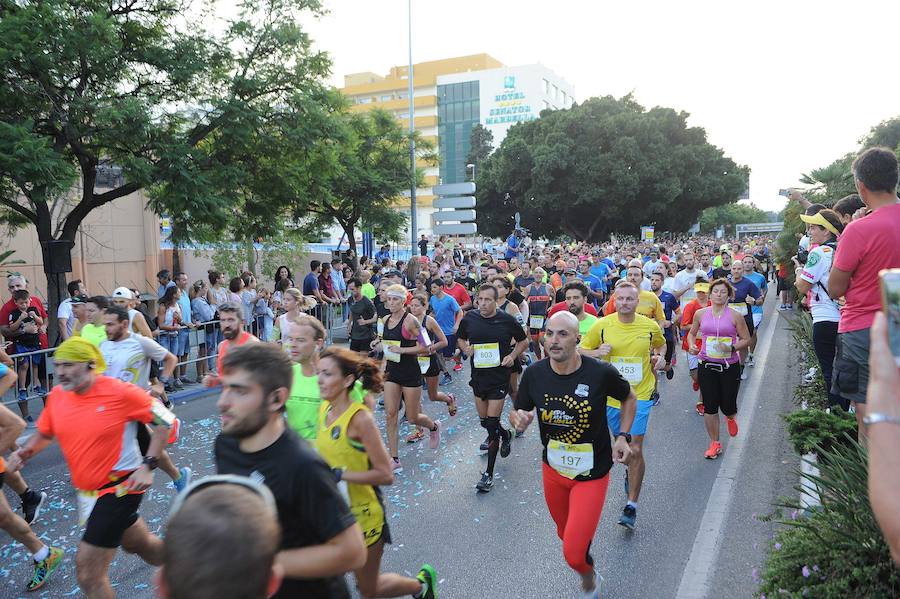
x,y
455,202
454,215
454,189
759,228
456,229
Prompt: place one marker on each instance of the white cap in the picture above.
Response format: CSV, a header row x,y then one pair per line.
x,y
123,292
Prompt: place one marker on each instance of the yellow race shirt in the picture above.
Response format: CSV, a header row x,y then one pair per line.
x,y
648,305
631,344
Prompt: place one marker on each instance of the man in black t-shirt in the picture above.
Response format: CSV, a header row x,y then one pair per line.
x,y
362,319
321,540
569,392
486,335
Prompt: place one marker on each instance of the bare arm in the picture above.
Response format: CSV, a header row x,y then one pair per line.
x,y
743,332
340,554
838,283
63,326
140,323
169,364
439,340
35,444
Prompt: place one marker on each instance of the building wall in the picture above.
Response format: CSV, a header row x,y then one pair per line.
x,y
117,244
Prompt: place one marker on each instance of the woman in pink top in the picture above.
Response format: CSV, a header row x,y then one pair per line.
x,y
723,332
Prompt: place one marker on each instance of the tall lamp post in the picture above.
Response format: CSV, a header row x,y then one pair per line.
x,y
471,166
412,145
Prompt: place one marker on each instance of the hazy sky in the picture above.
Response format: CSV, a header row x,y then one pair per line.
x,y
783,87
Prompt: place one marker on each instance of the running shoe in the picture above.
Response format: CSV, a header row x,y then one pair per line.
x,y
486,482
750,361
29,422
595,594
696,385
183,481
428,577
484,445
505,443
714,451
520,434
743,374
732,426
40,391
700,409
457,367
452,408
43,569
396,466
628,517
23,395
32,504
654,397
670,373
176,382
446,379
434,437
415,436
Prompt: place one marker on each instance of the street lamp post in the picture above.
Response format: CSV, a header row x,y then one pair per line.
x,y
471,166
412,145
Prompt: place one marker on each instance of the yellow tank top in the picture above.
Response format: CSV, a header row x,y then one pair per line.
x,y
339,451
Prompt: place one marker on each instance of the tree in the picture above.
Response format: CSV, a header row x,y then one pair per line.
x,y
358,173
481,144
729,215
140,84
607,165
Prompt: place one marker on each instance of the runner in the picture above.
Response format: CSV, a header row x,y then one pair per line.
x,y
648,303
540,297
349,441
429,359
46,559
701,300
686,279
576,294
628,340
751,267
361,320
722,332
400,344
486,335
745,295
94,418
671,311
231,323
569,393
320,539
448,314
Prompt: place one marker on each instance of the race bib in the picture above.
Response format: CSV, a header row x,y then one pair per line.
x,y
739,307
712,347
487,355
424,363
631,369
379,327
570,460
536,321
389,355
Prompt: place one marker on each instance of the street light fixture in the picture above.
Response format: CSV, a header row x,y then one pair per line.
x,y
471,166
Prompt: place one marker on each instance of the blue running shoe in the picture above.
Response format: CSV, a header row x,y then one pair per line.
x,y
184,480
628,517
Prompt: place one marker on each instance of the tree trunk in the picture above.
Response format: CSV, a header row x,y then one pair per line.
x,y
251,257
350,232
56,293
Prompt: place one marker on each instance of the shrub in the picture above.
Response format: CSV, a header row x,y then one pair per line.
x,y
815,394
814,429
837,550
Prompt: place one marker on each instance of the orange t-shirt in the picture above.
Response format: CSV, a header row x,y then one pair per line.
x,y
2,465
226,345
687,319
91,429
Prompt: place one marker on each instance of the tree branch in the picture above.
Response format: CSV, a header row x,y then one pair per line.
x,y
15,206
91,201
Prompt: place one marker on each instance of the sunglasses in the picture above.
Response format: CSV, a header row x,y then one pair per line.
x,y
225,479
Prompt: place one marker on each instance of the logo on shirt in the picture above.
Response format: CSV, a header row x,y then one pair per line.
x,y
258,477
582,390
336,433
813,259
100,408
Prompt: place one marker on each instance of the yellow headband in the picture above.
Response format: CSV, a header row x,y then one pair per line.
x,y
79,349
818,219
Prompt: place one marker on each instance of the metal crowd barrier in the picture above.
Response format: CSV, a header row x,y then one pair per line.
x,y
199,359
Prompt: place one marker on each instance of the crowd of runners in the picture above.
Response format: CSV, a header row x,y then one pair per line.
x,y
576,336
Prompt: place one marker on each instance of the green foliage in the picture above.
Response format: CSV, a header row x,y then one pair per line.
x,y
816,430
728,215
837,550
603,166
886,133
358,171
814,395
481,144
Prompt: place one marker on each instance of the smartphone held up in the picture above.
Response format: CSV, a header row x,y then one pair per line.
x,y
890,301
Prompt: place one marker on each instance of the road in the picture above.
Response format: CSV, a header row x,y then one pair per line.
x,y
503,544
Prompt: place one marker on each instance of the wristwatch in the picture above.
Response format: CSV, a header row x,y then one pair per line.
x,y
626,435
876,417
151,462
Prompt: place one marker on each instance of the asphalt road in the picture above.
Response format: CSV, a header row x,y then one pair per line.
x,y
504,544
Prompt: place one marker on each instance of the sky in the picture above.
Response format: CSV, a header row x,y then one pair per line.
x,y
782,87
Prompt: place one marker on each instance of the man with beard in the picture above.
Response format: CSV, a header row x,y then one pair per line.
x,y
231,321
321,540
686,279
722,272
576,296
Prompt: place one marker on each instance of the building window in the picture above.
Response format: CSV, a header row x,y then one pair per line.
x,y
458,111
366,100
386,98
402,95
545,86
